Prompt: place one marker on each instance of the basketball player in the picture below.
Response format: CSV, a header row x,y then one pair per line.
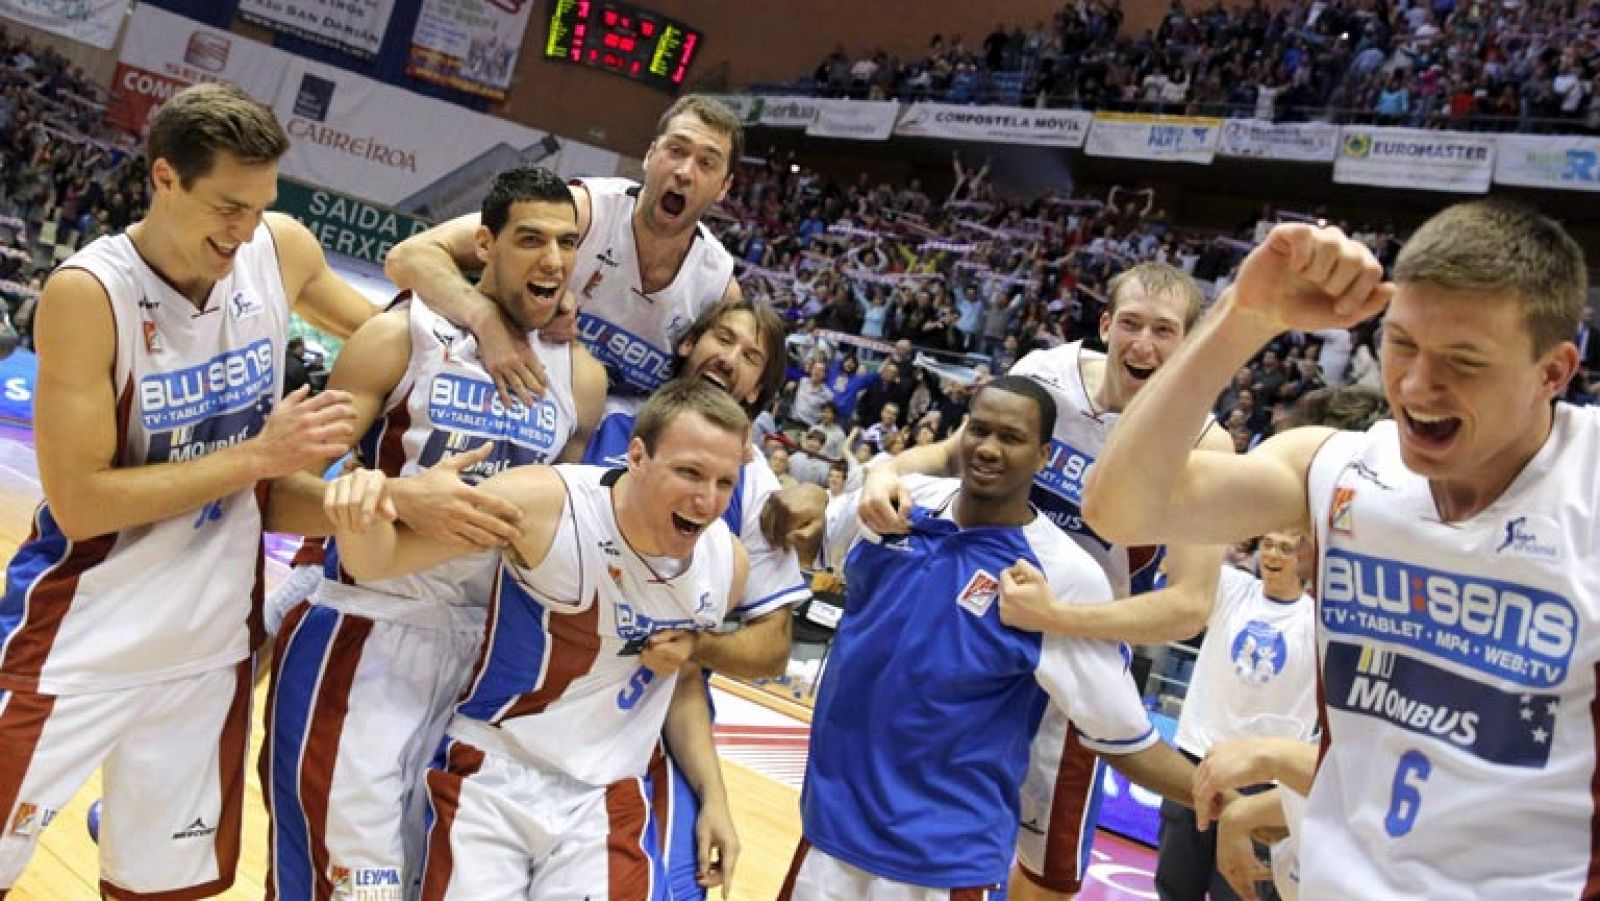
x,y
131,611
537,789
647,268
736,345
1458,586
367,671
1152,307
922,731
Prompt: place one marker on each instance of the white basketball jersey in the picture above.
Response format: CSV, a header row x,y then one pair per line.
x,y
179,596
559,684
1256,675
446,404
634,334
1081,431
1458,677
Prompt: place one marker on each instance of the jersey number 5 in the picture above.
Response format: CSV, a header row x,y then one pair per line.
x,y
634,690
1405,796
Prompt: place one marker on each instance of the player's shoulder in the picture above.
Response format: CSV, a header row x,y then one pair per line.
x,y
1074,575
1054,367
930,491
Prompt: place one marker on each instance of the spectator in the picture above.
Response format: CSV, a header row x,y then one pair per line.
x,y
809,464
812,395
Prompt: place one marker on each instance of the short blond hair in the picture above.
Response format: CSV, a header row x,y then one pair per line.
x,y
1491,247
1159,278
688,395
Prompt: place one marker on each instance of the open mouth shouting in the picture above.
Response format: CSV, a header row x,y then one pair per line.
x,y
544,290
673,203
687,527
1430,431
1139,372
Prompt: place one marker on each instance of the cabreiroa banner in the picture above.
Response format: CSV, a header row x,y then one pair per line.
x,y
469,45
420,156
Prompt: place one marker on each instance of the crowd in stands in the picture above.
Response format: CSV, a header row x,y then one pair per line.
x,y
1525,65
65,176
900,302
900,299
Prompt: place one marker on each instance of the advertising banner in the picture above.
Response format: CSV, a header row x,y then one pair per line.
x,y
1167,139
345,224
469,45
1301,142
164,53
417,155
856,120
995,124
355,26
782,112
1557,162
1415,159
92,22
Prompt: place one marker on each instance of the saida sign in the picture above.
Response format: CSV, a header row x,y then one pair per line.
x,y
344,224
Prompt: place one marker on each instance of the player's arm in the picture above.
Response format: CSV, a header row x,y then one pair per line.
x,y
688,734
76,427
374,545
315,291
884,498
1178,611
372,362
758,649
1089,681
1149,486
588,398
1252,761
1249,819
431,263
1159,768
689,738
435,502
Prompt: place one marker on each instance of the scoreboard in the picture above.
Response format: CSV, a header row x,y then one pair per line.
x,y
624,39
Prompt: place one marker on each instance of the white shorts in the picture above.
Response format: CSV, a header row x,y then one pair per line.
x,y
502,831
814,876
356,708
173,755
1060,804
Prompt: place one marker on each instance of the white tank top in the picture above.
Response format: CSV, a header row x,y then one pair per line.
x,y
446,404
179,596
1081,431
634,334
559,684
1458,677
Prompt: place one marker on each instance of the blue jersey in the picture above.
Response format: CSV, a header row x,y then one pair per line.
x,y
919,742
